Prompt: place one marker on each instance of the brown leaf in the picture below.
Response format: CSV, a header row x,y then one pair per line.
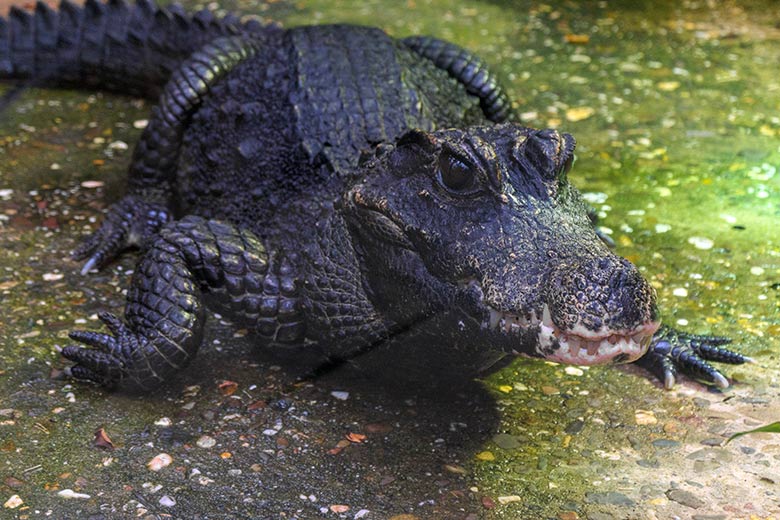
x,y
357,438
257,405
102,440
378,428
50,223
228,387
580,39
13,483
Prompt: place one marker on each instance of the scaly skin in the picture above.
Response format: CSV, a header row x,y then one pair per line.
x,y
341,187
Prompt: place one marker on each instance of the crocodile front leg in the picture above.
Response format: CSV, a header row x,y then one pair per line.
x,y
672,351
191,263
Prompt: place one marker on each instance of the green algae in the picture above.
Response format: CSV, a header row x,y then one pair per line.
x,y
675,109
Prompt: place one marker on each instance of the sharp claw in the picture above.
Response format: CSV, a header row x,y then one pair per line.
x,y
89,265
720,381
749,359
669,379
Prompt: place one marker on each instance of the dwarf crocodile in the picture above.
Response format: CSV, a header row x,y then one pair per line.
x,y
329,186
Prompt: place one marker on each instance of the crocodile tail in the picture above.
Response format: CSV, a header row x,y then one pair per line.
x,y
469,70
115,46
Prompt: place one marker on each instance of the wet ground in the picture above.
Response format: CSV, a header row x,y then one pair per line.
x,y
676,111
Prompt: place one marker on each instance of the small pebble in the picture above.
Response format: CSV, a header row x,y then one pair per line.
x,y
341,396
665,443
485,455
508,499
140,123
662,228
685,498
506,441
167,501
701,242
758,271
573,371
69,493
163,421
579,113
682,292
159,462
13,502
92,184
151,488
206,442
609,497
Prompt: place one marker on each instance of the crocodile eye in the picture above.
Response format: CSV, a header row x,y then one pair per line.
x,y
456,174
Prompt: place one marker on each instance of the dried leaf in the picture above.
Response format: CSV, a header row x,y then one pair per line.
x,y
356,437
455,469
378,428
579,39
485,455
102,440
579,113
488,502
228,387
257,405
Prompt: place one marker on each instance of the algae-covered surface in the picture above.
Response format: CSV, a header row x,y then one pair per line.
x,y
675,107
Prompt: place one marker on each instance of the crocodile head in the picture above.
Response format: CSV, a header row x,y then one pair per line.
x,y
482,225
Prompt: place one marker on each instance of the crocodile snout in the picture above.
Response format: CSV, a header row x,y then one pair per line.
x,y
594,295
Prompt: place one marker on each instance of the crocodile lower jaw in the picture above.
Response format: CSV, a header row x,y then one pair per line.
x,y
576,348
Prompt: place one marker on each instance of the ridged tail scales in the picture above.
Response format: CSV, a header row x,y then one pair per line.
x,y
469,70
131,49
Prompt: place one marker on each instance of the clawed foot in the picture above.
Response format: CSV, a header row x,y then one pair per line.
x,y
129,222
672,351
110,357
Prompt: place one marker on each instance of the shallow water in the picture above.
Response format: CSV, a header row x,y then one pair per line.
x,y
675,110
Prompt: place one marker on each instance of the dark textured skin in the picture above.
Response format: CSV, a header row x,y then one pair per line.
x,y
328,187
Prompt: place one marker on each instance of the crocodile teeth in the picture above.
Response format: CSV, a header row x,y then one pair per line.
x,y
506,322
495,317
547,317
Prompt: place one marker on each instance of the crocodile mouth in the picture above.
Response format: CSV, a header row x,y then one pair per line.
x,y
575,347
